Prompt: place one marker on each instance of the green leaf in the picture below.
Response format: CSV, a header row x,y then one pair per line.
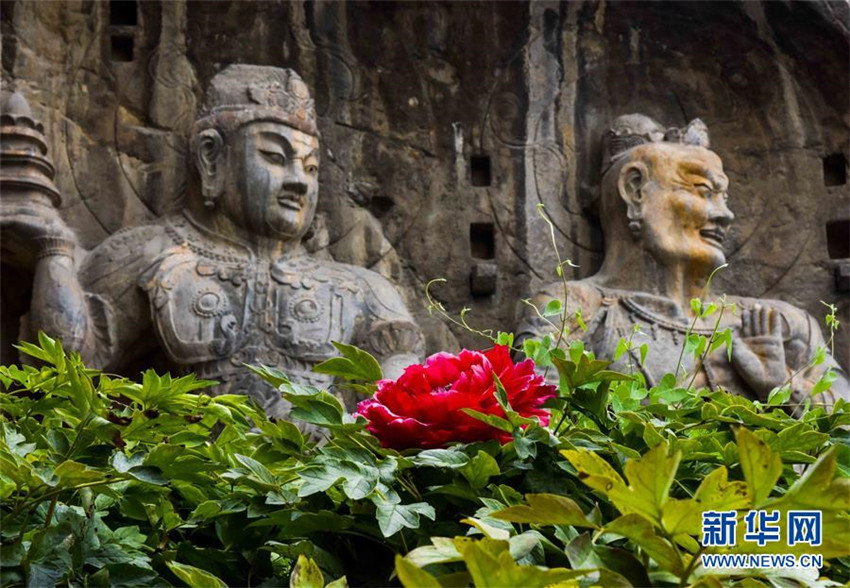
x,y
479,470
586,371
306,574
440,458
16,442
640,531
779,395
724,337
148,474
259,471
71,473
761,466
644,349
487,529
621,348
392,518
355,364
490,419
195,577
696,306
553,308
824,383
441,550
619,564
546,509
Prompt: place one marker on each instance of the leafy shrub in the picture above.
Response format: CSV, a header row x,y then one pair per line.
x,y
109,482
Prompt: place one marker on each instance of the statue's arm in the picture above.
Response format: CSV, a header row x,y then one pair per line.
x,y
389,332
58,306
96,308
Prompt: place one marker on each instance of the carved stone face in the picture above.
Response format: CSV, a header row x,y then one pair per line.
x,y
683,205
273,174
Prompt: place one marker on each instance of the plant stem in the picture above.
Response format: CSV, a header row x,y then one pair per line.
x,y
705,353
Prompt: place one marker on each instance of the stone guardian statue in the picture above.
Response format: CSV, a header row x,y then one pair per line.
x,y
665,215
226,282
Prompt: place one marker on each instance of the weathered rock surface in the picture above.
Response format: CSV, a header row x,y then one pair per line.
x,y
444,125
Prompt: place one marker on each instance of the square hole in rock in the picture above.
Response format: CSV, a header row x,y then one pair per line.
x,y
121,48
479,169
835,170
838,239
123,13
482,240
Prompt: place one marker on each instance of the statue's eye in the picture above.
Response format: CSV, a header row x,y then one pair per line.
x,y
704,190
274,157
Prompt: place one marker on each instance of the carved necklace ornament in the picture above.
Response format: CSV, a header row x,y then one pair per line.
x,y
210,302
306,309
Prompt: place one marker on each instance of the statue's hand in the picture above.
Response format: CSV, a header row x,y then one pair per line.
x,y
27,228
758,353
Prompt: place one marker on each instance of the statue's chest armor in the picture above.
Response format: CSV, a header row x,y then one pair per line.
x,y
251,312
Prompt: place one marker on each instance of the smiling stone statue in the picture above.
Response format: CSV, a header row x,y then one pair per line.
x,y
664,217
228,281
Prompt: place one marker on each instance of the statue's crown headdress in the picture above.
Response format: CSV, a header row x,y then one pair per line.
x,y
240,94
631,130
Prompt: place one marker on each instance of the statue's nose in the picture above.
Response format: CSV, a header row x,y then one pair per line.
x,y
296,181
721,214
295,187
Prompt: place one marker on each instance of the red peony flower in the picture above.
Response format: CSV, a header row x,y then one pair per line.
x,y
423,407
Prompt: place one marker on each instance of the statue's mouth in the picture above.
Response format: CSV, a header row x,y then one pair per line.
x,y
290,201
714,236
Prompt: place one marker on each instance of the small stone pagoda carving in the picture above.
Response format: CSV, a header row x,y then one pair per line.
x,y
665,217
227,282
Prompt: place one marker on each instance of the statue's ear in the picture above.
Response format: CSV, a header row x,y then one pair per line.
x,y
633,178
209,154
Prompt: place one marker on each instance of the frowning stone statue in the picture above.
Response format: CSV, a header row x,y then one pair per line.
x,y
227,281
665,214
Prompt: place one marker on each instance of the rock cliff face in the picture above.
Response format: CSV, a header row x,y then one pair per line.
x,y
444,125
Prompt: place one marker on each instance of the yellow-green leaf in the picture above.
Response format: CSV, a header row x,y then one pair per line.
x,y
195,577
714,493
306,574
593,470
761,466
641,532
491,565
546,509
412,576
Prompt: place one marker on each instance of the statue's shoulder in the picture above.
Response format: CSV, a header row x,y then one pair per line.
x,y
127,250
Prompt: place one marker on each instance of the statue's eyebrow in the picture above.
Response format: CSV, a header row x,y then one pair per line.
x,y
279,139
688,169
